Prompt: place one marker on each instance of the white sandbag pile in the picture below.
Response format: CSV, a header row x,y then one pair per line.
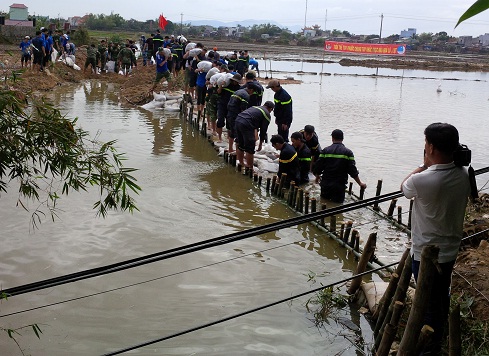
x,y
168,102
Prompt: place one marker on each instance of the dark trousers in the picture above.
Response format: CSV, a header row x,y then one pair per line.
x,y
283,133
436,314
333,191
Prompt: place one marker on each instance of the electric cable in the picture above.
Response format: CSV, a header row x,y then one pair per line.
x,y
249,311
183,250
179,251
151,280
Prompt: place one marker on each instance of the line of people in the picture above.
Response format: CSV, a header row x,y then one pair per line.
x,y
37,52
237,105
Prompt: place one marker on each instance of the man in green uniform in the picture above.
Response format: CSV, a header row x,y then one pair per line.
x,y
102,50
114,51
126,59
92,55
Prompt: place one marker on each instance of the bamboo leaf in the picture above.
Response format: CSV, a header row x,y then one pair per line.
x,y
476,8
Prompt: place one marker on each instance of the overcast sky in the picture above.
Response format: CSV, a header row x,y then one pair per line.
x,y
355,16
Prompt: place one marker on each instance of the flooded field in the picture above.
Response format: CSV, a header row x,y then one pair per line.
x,y
190,195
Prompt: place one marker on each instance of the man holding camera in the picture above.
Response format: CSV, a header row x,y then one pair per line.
x,y
440,189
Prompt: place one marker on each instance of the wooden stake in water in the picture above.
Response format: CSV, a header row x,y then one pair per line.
x,y
390,212
313,205
300,200
349,225
367,254
306,204
377,193
323,207
332,223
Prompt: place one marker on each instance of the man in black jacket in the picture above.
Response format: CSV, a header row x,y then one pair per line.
x,y
283,108
248,124
288,162
334,165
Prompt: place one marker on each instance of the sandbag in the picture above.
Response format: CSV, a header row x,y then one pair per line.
x,y
373,293
181,39
167,52
225,79
190,46
68,61
54,55
214,79
204,66
110,66
159,96
211,72
194,52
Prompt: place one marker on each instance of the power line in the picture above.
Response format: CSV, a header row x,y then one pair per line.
x,y
150,280
198,246
234,316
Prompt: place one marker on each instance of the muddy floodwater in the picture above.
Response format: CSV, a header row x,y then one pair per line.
x,y
190,195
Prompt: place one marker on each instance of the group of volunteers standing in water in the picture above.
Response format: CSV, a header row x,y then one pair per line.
x,y
232,97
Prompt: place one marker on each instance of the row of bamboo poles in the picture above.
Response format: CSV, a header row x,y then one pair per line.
x,y
387,315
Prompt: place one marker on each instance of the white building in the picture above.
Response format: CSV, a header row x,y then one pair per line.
x,y
484,39
410,32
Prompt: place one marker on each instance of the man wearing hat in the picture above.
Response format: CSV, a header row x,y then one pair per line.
x,y
334,165
283,108
25,46
303,154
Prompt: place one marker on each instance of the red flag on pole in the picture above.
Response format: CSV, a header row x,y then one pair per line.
x,y
163,22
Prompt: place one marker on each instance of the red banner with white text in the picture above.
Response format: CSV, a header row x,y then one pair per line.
x,y
366,48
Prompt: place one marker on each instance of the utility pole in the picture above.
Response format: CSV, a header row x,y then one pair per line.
x,y
381,20
325,20
305,17
181,23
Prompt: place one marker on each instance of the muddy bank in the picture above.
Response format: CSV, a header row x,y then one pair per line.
x,y
424,64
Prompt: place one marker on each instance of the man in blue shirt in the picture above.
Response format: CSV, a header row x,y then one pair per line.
x,y
39,52
161,67
26,52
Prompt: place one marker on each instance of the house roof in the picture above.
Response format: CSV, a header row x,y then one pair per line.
x,y
18,6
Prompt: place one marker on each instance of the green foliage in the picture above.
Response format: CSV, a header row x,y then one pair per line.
x,y
81,37
13,333
47,156
476,8
325,304
425,37
475,333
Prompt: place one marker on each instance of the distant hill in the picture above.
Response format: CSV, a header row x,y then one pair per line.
x,y
244,23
